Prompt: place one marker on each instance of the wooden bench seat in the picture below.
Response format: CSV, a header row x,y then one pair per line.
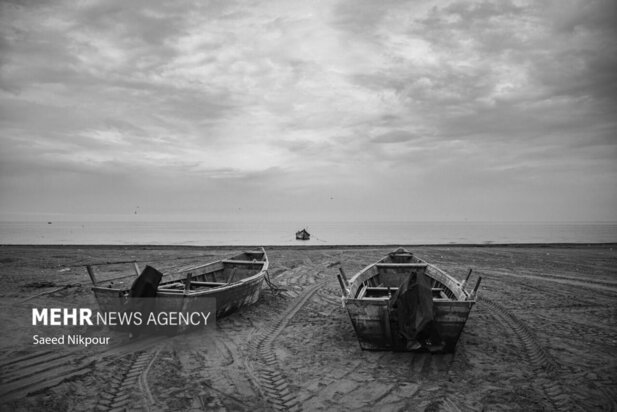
x,y
211,284
243,262
172,285
401,265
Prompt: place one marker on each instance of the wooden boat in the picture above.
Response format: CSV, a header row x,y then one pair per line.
x,y
402,303
234,282
303,235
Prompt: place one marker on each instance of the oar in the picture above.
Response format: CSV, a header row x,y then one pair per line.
x,y
342,283
475,289
344,277
466,279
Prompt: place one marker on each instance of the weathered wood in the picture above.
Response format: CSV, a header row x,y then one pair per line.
x,y
447,281
344,276
362,292
475,289
375,321
163,291
136,266
342,283
172,285
110,281
245,290
370,319
92,274
378,292
382,288
467,278
231,275
187,282
401,265
198,283
242,262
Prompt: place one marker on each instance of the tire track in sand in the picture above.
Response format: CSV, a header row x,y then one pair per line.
x,y
271,382
542,364
36,372
118,394
219,379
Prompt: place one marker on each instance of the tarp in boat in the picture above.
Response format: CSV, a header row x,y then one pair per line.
x,y
146,283
144,286
414,305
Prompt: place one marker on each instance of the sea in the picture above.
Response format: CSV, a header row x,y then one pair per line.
x,y
283,233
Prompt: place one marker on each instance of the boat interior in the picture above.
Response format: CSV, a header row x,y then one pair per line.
x,y
389,276
400,256
215,275
204,276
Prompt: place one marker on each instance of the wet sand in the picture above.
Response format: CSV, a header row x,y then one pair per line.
x,y
543,336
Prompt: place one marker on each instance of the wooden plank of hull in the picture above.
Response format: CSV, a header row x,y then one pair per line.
x,y
371,322
452,307
450,333
232,299
450,319
110,300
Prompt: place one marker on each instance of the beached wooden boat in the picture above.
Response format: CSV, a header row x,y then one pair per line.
x,y
234,282
303,235
402,303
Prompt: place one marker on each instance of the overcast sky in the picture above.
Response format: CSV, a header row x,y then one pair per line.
x,y
309,110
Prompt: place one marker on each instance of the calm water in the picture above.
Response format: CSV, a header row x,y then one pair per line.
x,y
283,233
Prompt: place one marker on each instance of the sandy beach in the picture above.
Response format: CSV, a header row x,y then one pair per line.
x,y
543,336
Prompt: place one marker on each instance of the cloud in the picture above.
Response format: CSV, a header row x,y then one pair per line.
x,y
296,99
396,136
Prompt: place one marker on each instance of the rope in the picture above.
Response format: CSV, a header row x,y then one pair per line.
x,y
51,291
320,240
272,286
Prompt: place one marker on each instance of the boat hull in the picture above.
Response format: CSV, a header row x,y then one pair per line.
x,y
303,235
226,298
376,328
368,298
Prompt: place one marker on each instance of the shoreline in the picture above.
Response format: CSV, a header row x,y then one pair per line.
x,y
318,247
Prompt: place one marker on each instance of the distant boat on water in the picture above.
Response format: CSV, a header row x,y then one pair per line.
x,y
303,235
